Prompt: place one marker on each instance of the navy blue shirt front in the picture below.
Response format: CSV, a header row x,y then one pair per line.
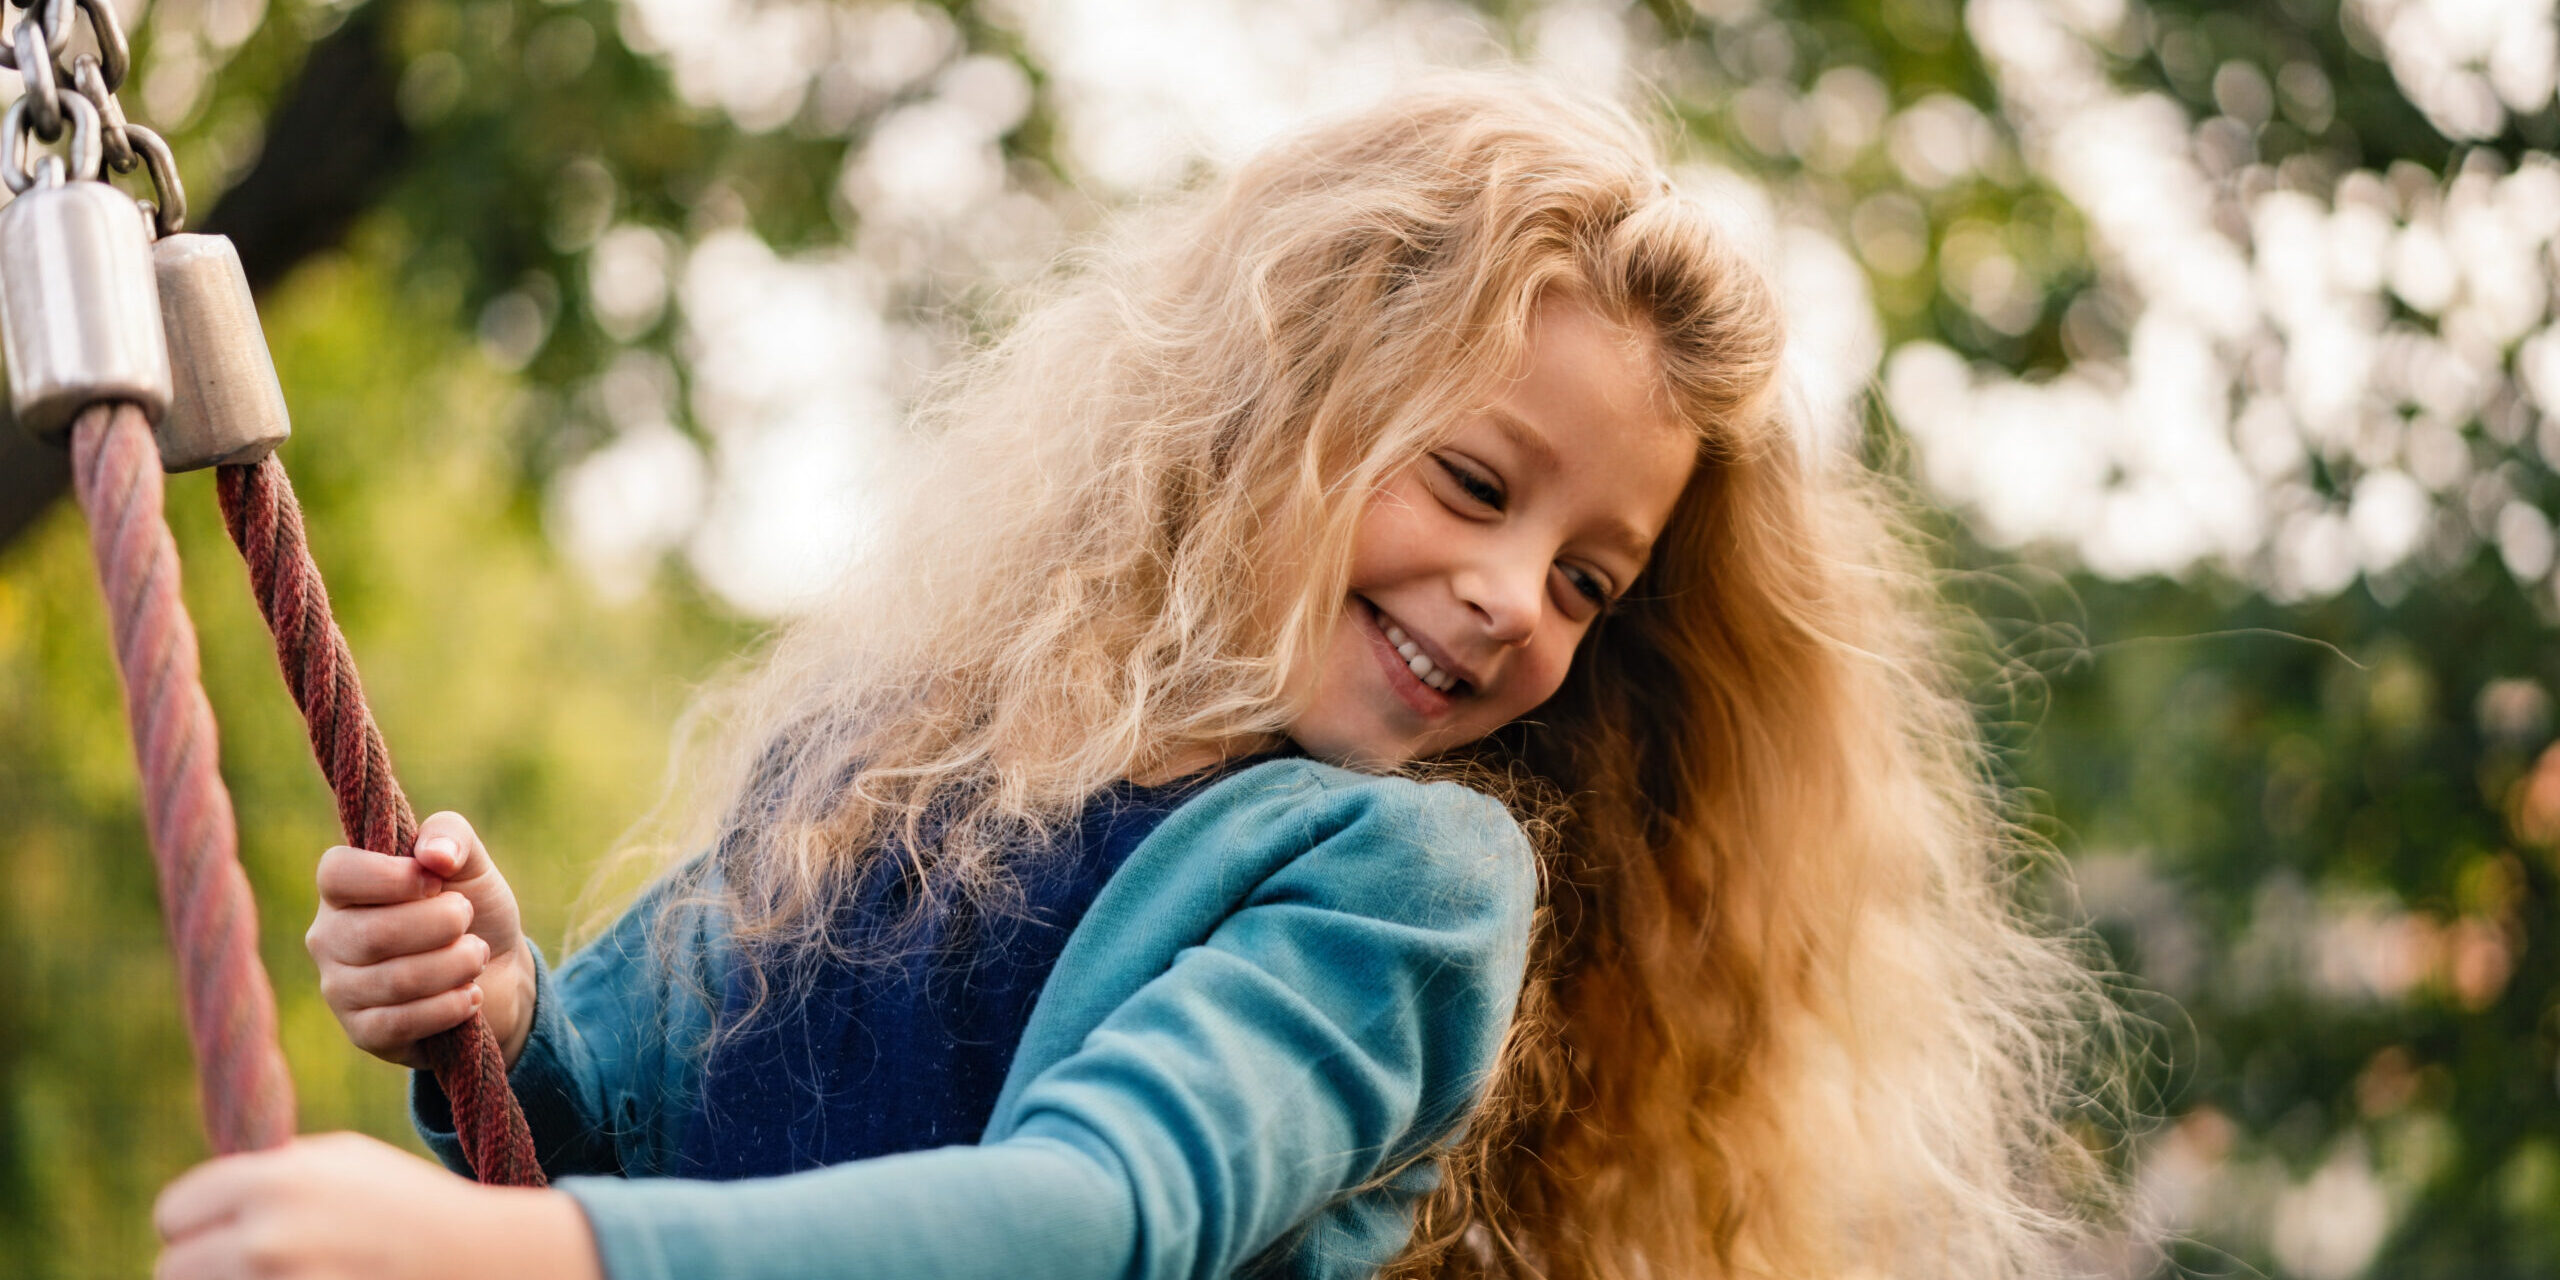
x,y
907,1054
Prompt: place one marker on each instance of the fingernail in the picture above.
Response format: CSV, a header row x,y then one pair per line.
x,y
475,996
484,947
439,845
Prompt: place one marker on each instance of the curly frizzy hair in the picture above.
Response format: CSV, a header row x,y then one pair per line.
x,y
1784,1017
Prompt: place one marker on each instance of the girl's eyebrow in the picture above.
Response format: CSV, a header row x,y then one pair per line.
x,y
1524,436
1623,536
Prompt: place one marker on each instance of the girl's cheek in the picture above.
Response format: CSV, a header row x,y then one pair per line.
x,y
1529,684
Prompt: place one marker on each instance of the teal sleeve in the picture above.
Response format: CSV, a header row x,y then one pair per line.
x,y
607,1064
1276,1067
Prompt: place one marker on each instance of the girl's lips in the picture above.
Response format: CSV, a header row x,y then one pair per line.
x,y
1425,701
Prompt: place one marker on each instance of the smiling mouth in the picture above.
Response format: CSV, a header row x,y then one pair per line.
x,y
1418,660
1411,672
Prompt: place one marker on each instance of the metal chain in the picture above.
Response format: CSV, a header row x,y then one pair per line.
x,y
95,78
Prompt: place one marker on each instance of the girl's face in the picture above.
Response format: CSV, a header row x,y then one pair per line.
x,y
1476,571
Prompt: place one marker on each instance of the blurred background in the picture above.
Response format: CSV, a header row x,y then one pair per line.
x,y
2218,337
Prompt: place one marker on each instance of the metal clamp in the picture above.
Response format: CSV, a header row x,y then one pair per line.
x,y
226,406
80,315
86,151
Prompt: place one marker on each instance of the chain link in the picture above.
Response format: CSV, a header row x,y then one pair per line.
x,y
168,204
18,125
54,19
114,53
41,68
91,80
44,91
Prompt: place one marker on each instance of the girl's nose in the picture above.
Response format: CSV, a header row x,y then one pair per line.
x,y
1506,600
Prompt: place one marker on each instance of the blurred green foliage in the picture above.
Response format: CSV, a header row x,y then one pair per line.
x,y
2312,828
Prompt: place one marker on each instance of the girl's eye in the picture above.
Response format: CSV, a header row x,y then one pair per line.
x,y
1588,584
1482,488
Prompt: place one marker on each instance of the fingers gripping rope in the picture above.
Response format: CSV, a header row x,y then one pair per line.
x,y
204,897
266,524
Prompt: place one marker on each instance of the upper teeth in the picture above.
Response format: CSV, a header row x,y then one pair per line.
x,y
1424,669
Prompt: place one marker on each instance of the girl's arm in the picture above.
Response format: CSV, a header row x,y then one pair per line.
x,y
601,1052
1334,1025
1286,1068
342,1206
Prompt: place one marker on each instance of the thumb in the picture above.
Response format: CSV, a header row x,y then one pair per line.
x,y
448,848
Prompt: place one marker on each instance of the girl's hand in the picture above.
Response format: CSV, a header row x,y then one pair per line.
x,y
408,947
342,1206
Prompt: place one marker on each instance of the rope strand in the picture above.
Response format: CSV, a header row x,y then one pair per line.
x,y
266,524
230,1010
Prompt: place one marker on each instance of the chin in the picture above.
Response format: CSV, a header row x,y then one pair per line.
x,y
1362,752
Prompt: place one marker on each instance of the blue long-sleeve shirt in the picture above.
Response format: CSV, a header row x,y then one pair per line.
x,y
1283,1001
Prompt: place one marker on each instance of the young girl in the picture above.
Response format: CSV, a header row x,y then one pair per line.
x,y
1373,745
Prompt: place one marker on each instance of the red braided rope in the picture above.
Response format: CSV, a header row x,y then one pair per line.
x,y
266,524
230,1010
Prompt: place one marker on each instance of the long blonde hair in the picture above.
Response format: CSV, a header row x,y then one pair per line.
x,y
1784,1017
